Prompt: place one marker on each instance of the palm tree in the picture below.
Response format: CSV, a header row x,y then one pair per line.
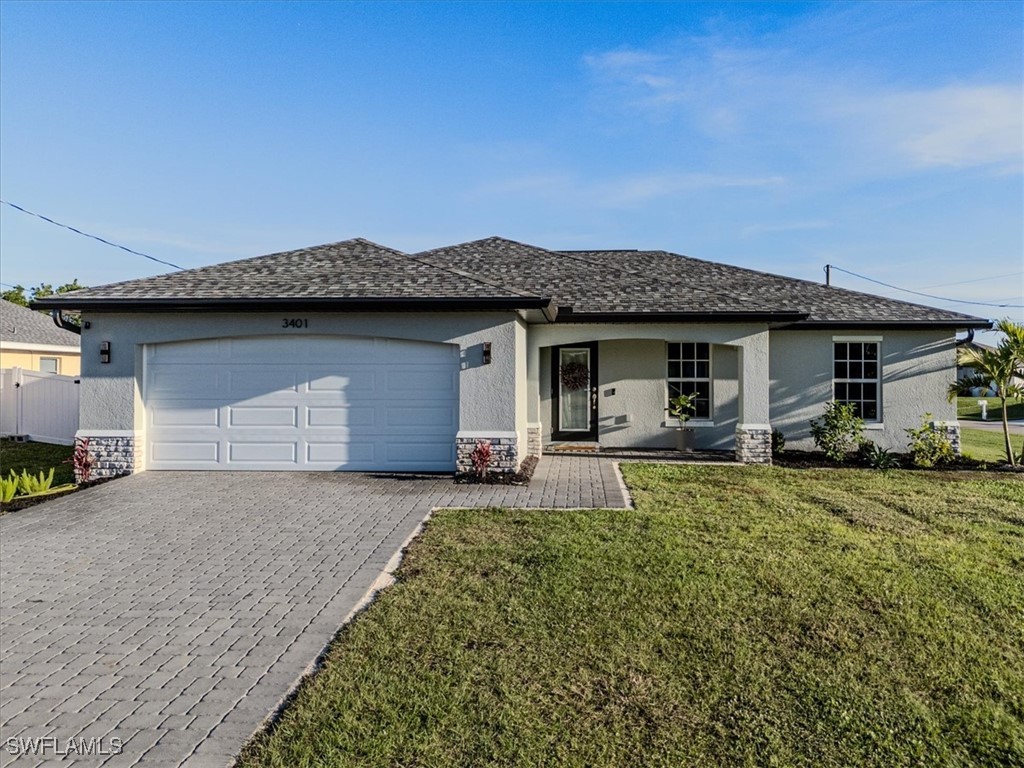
x,y
1015,341
1001,366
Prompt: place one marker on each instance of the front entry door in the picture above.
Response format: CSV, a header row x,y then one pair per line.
x,y
574,392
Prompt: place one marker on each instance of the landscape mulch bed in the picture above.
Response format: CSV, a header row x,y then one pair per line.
x,y
522,477
24,502
816,460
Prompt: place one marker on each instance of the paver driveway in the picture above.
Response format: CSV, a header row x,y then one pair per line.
x,y
173,611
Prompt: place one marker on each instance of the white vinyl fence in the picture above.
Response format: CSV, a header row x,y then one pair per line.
x,y
43,406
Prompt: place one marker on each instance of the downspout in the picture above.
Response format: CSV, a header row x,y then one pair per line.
x,y
61,322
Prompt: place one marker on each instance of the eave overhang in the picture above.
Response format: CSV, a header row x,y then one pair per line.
x,y
893,325
309,304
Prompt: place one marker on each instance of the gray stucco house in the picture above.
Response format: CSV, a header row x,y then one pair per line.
x,y
354,356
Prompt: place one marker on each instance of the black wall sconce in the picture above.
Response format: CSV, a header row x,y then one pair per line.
x,y
104,351
486,353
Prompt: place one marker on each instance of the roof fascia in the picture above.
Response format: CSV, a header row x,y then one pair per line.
x,y
317,303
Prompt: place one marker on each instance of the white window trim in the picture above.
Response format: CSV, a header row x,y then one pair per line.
x,y
869,424
693,422
56,361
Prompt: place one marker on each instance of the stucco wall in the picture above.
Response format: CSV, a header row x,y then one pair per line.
x,y
70,365
111,393
917,368
633,392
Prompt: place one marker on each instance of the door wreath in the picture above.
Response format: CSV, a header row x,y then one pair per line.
x,y
574,376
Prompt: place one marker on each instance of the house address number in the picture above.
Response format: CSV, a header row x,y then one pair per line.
x,y
294,322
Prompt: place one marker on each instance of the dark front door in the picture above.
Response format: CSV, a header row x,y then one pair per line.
x,y
574,391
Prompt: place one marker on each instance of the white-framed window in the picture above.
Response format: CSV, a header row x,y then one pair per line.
x,y
49,364
857,375
689,372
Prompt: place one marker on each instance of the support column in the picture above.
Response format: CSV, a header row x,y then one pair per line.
x,y
533,423
753,431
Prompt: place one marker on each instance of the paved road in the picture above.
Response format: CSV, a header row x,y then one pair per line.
x,y
993,425
174,611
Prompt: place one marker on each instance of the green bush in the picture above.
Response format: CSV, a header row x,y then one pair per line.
x,y
8,487
839,431
876,457
928,446
778,442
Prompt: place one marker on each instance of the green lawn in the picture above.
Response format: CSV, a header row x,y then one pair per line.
x,y
739,616
968,408
36,458
986,445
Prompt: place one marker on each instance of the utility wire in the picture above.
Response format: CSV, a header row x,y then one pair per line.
x,y
976,280
927,295
86,234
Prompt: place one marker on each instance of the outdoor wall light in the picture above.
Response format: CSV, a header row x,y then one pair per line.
x,y
104,351
487,353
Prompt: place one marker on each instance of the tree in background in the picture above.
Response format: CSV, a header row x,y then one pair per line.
x,y
1003,366
16,295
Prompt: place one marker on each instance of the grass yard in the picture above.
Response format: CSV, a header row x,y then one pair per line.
x,y
986,445
968,408
36,458
739,616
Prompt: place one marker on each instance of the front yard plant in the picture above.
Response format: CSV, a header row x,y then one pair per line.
x,y
839,431
928,447
738,616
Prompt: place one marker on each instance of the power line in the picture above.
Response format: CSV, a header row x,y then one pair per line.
x,y
926,295
94,237
976,280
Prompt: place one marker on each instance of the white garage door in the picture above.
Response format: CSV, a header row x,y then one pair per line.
x,y
301,403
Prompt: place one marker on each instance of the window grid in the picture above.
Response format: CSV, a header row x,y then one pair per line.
x,y
856,377
689,372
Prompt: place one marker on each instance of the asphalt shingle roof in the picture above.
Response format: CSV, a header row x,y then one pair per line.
x,y
577,282
25,326
351,269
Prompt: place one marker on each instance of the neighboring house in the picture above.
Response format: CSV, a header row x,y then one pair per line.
x,y
967,372
31,340
356,356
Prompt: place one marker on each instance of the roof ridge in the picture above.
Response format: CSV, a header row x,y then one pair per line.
x,y
482,280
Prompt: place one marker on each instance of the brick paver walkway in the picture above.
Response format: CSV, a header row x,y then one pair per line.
x,y
174,611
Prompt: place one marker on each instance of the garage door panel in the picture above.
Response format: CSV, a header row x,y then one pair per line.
x,y
429,382
186,452
348,383
181,382
251,382
338,453
418,453
177,415
422,416
262,416
321,403
341,416
262,452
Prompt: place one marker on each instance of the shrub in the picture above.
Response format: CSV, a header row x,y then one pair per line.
x,y
838,432
876,457
82,460
29,484
481,457
8,487
928,446
778,442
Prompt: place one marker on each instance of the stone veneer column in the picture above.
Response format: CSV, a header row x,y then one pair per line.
x,y
952,431
114,454
754,444
534,445
504,451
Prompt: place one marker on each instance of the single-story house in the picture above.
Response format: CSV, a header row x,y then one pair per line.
x,y
31,340
354,356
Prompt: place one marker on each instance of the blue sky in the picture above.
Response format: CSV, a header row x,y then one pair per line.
x,y
883,138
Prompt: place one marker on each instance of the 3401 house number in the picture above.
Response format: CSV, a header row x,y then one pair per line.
x,y
294,322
